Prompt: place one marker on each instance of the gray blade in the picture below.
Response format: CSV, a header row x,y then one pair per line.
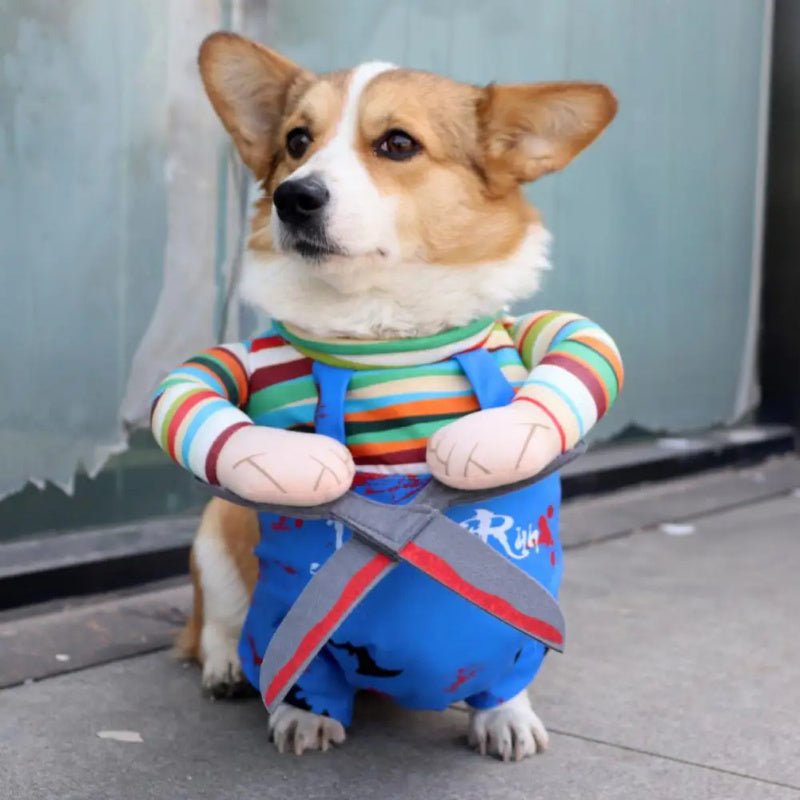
x,y
329,597
439,496
435,494
461,561
321,511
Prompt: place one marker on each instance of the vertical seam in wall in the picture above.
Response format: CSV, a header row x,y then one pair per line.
x,y
747,392
221,241
256,19
221,238
250,19
123,237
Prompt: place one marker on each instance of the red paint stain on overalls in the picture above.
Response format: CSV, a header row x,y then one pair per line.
x,y
463,675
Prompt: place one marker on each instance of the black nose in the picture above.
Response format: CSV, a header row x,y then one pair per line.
x,y
301,201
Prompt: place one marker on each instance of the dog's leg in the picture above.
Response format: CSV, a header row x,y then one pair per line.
x,y
225,602
187,643
223,587
511,730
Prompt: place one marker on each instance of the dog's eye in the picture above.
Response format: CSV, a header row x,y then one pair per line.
x,y
297,142
397,145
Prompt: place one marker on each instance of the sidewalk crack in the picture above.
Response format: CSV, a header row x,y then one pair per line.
x,y
675,759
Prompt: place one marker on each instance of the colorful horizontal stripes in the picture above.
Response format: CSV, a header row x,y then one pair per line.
x,y
366,354
576,369
401,392
197,407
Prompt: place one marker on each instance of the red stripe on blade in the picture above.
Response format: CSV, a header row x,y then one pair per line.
x,y
438,568
356,585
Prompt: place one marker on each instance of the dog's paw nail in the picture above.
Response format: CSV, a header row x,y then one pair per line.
x,y
279,738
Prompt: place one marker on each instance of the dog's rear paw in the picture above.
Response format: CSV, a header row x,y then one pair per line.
x,y
227,683
223,678
222,671
295,730
511,731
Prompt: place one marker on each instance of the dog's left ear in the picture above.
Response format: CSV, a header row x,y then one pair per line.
x,y
247,84
530,130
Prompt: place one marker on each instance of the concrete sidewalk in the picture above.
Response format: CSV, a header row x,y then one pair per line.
x,y
680,681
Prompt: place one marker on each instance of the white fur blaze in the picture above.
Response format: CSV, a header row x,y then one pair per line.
x,y
359,219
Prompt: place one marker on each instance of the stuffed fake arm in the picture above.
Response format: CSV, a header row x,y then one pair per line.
x,y
575,375
198,407
198,419
576,370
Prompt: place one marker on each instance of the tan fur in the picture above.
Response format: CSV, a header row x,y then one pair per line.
x,y
445,213
530,130
249,87
236,528
187,643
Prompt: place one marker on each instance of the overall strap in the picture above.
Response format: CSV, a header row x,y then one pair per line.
x,y
332,383
491,387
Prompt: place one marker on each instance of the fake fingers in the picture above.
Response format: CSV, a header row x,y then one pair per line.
x,y
494,447
268,465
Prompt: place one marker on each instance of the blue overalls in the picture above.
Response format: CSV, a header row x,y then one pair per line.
x,y
410,638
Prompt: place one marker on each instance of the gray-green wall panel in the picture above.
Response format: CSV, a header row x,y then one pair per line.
x,y
654,225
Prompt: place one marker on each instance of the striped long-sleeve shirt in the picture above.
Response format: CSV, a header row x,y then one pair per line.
x,y
401,391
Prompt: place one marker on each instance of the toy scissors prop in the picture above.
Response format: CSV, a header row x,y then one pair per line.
x,y
383,536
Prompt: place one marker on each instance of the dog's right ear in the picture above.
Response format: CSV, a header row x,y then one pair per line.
x,y
247,84
531,129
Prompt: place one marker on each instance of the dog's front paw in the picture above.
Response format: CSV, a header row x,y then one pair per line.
x,y
296,730
511,731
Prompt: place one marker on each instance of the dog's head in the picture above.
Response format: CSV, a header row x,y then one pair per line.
x,y
391,198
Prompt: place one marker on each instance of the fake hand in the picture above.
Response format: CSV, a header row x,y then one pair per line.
x,y
494,447
268,465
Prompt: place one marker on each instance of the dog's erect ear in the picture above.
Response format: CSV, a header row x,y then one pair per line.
x,y
530,130
247,84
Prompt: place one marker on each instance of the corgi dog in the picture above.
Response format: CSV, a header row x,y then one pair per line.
x,y
390,232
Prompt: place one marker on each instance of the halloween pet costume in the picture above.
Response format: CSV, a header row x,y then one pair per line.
x,y
409,637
